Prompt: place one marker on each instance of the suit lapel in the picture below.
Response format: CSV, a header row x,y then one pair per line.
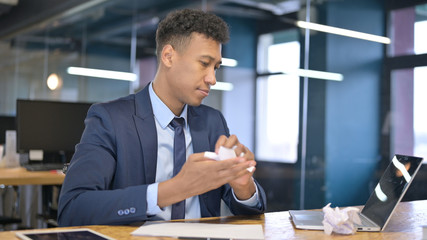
x,y
199,133
146,128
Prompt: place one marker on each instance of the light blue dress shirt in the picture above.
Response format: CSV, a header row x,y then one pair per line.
x,y
165,135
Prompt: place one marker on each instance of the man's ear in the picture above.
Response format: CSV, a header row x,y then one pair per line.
x,y
167,55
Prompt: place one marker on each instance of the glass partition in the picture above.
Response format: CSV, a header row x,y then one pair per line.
x,y
278,97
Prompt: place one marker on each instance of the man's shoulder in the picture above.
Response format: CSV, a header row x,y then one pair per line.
x,y
120,101
206,114
120,104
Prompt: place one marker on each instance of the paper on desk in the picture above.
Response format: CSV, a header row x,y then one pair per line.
x,y
224,153
201,230
340,221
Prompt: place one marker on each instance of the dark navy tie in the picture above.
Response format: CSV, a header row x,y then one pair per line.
x,y
179,156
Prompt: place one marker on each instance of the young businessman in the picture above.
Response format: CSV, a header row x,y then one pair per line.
x,y
123,170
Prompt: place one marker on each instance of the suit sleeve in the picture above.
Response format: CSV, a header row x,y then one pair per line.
x,y
87,195
235,207
241,209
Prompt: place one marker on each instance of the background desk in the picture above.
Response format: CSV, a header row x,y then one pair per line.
x,y
20,176
406,223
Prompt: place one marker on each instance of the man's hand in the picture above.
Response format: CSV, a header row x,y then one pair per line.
x,y
243,186
199,175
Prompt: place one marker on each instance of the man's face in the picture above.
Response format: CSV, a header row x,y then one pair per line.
x,y
193,70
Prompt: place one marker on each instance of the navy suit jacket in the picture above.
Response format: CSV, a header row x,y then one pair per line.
x,y
116,160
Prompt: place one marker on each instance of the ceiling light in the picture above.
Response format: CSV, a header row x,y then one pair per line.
x,y
90,72
229,62
223,86
315,74
343,32
54,81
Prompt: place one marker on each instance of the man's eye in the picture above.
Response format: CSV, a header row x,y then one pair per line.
x,y
205,64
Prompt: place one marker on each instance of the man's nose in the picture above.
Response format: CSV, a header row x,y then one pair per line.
x,y
210,78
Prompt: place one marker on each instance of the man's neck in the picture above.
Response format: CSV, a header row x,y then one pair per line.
x,y
162,92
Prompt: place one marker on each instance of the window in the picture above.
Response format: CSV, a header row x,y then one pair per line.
x,y
420,37
420,113
408,82
277,120
408,31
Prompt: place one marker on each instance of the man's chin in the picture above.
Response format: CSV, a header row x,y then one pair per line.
x,y
195,103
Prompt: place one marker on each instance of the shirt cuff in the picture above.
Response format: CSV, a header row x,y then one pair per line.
x,y
252,201
152,207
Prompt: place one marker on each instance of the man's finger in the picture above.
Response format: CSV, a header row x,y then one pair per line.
x,y
231,141
220,142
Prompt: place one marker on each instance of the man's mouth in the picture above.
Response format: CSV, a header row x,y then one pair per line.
x,y
204,91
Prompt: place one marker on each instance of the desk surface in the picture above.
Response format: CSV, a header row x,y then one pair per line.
x,y
406,223
20,176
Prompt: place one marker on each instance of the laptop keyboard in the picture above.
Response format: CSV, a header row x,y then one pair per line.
x,y
44,166
365,222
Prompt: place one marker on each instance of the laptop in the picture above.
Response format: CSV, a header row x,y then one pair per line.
x,y
381,204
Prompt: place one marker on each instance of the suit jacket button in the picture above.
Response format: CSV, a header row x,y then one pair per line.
x,y
132,210
126,211
120,212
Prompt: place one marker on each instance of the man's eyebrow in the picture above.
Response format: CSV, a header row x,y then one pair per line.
x,y
208,56
211,58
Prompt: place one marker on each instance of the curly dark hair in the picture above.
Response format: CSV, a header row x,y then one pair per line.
x,y
178,25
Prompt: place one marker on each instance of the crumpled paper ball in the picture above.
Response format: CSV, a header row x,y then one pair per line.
x,y
340,221
225,153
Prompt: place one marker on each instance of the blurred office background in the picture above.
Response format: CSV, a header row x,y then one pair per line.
x,y
317,139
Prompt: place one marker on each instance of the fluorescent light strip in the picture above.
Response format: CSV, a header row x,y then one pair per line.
x,y
343,32
380,194
223,86
99,73
315,74
229,62
402,169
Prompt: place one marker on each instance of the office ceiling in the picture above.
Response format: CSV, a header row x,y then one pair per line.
x,y
72,23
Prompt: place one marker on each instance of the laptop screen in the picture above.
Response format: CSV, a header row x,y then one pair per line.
x,y
391,188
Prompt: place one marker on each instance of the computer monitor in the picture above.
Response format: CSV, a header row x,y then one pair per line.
x,y
6,123
50,126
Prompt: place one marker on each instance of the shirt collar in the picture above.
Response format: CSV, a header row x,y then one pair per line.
x,y
161,112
